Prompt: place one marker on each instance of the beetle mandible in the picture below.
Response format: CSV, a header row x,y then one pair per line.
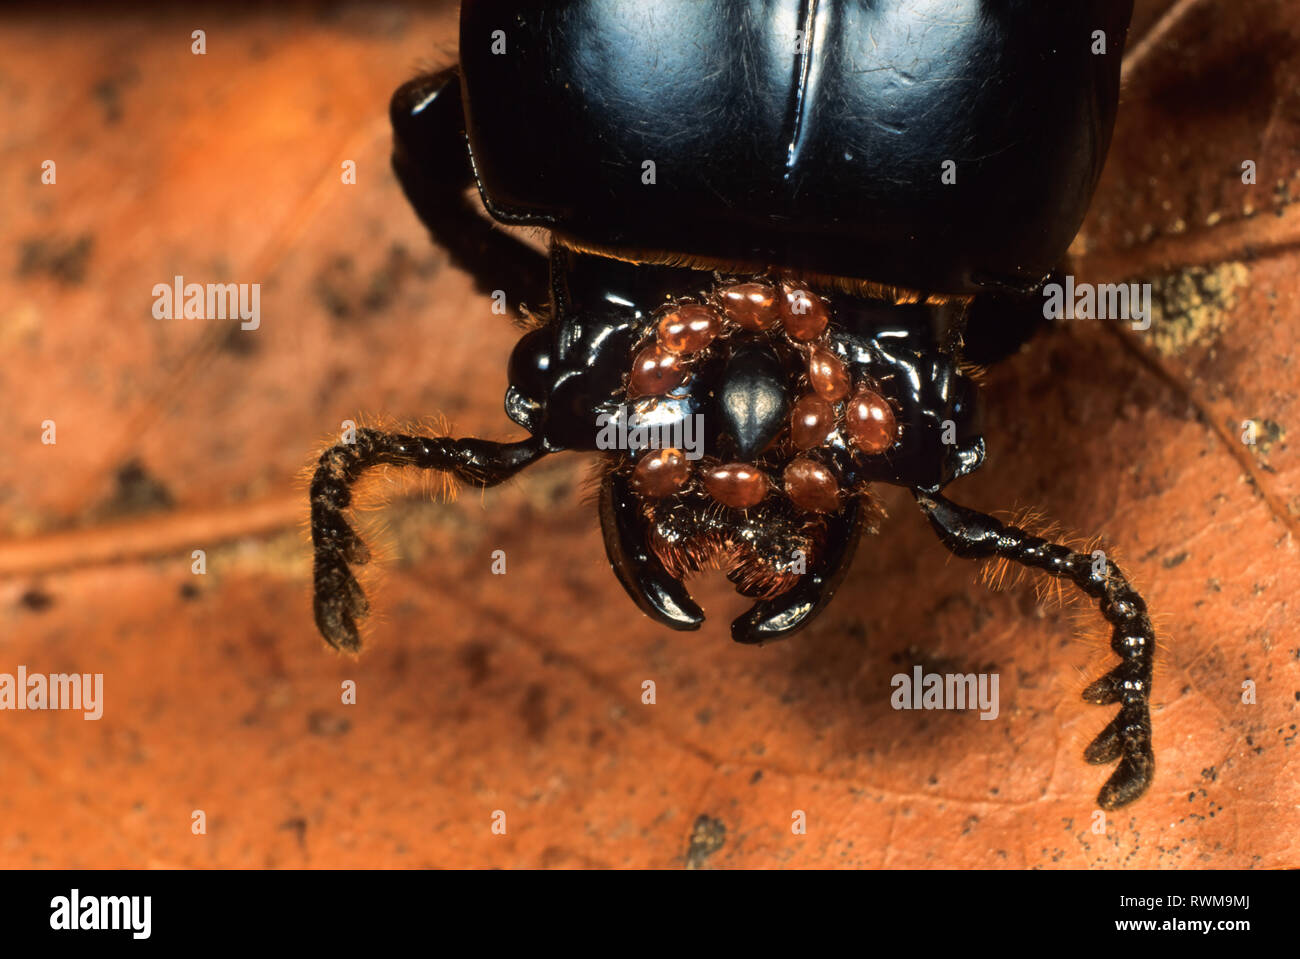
x,y
771,218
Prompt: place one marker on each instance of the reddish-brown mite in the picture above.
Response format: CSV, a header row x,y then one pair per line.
x,y
811,486
661,473
803,315
811,421
869,422
827,374
737,485
751,306
689,328
655,372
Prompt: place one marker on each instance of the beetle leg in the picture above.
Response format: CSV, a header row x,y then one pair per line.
x,y
791,611
339,601
432,162
975,535
996,325
656,592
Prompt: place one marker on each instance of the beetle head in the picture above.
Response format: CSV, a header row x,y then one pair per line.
x,y
746,438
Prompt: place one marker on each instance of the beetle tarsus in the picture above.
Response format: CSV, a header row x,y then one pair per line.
x,y
974,535
339,601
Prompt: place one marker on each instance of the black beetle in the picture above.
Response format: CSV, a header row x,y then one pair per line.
x,y
773,218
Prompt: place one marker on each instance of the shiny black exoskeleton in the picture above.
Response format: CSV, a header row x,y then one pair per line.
x,y
901,163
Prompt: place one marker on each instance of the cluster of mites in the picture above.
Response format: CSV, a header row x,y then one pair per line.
x,y
688,329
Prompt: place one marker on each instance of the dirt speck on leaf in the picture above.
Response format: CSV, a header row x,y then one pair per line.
x,y
1188,307
707,837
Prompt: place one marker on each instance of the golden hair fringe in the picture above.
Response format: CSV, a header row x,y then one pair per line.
x,y
889,293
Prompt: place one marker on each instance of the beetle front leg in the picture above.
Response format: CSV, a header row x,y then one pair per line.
x,y
339,601
655,591
432,162
975,535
